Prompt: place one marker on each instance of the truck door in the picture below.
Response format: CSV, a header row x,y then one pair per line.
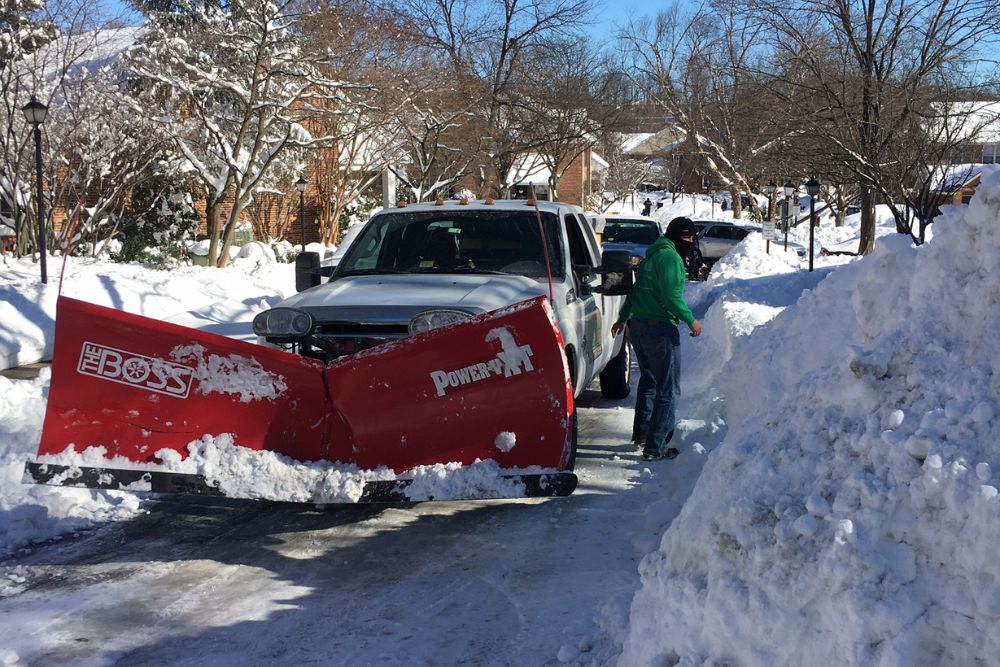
x,y
581,297
607,306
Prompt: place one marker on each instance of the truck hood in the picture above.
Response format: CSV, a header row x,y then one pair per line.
x,y
635,249
386,298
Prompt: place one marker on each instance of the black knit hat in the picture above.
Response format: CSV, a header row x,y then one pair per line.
x,y
679,227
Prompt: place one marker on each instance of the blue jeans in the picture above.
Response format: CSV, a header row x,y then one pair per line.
x,y
657,349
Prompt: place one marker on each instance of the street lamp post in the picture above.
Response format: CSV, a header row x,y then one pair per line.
x,y
790,189
812,187
34,113
300,185
770,189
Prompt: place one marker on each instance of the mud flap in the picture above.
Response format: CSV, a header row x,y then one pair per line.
x,y
495,387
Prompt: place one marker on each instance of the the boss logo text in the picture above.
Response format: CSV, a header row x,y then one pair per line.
x,y
136,370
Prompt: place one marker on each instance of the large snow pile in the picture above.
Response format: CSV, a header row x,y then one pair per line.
x,y
217,300
850,515
30,513
220,300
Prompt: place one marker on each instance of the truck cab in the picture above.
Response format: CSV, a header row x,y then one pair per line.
x,y
422,266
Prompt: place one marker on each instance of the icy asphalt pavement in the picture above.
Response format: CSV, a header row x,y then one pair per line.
x,y
200,582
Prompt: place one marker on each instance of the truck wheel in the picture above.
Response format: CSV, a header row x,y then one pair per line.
x,y
571,462
617,375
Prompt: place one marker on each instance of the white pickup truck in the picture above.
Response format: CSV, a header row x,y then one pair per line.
x,y
422,266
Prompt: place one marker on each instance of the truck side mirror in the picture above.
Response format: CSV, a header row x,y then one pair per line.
x,y
616,272
307,271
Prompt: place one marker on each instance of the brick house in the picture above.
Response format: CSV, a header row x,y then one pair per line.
x,y
578,182
982,147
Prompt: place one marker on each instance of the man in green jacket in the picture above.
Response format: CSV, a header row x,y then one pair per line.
x,y
652,311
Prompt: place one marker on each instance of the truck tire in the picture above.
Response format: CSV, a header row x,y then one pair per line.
x,y
616,377
571,462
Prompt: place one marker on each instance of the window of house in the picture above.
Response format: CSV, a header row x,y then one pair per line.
x,y
991,154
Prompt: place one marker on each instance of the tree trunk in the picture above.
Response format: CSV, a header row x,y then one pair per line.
x,y
212,213
229,233
867,243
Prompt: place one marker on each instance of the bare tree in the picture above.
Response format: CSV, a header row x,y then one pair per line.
x,y
623,176
234,88
358,135
96,142
561,109
867,69
102,143
925,173
701,66
485,44
439,135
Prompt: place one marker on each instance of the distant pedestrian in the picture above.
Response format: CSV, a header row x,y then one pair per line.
x,y
646,206
725,204
652,312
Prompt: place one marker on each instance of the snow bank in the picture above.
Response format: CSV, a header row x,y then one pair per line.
x,y
31,513
207,298
850,515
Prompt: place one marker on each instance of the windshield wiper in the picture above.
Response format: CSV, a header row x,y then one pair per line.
x,y
370,272
469,269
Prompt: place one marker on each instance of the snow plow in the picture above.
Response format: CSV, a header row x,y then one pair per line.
x,y
479,409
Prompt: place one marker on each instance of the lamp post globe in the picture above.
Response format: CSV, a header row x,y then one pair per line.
x,y
300,185
35,112
812,187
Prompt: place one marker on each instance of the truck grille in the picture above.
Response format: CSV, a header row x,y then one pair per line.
x,y
390,330
352,337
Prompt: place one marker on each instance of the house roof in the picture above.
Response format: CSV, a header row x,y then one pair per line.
x,y
974,122
957,176
646,144
529,169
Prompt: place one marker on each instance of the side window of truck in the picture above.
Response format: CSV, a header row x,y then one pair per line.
x,y
579,250
597,226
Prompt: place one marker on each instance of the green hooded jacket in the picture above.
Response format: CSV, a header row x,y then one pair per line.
x,y
658,293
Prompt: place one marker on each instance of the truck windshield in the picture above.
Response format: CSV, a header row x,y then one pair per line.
x,y
639,232
450,241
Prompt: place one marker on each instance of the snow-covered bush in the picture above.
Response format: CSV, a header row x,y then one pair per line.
x,y
161,219
284,250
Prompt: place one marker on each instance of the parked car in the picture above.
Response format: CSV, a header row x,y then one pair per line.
x,y
718,237
633,234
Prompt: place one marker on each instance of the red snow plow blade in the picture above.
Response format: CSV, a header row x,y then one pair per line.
x,y
493,388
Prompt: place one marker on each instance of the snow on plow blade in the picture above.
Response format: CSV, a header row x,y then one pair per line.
x,y
140,404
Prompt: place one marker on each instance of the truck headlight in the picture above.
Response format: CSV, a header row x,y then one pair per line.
x,y
288,323
435,319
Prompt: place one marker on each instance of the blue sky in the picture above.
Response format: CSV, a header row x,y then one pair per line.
x,y
613,14
609,15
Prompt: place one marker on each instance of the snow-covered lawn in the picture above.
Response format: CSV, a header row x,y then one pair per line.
x,y
843,427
